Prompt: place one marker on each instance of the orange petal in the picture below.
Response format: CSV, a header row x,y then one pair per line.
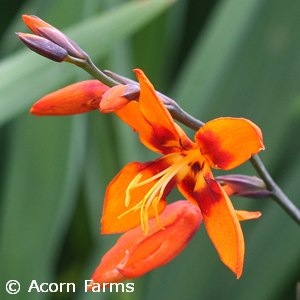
x,y
166,132
131,115
33,23
220,220
228,142
115,197
135,253
152,121
77,98
129,112
244,215
147,116
154,111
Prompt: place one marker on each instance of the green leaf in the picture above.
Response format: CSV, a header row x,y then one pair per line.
x,y
40,191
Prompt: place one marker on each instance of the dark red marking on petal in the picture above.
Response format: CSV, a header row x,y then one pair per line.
x,y
213,148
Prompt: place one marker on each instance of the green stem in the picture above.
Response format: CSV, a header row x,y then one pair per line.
x,y
89,67
277,194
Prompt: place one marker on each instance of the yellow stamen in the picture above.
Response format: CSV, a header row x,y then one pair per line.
x,y
131,185
155,206
156,192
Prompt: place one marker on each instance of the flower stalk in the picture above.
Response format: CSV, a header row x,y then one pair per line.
x,y
277,194
183,117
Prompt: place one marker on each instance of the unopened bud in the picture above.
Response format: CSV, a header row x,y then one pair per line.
x,y
243,185
62,40
114,99
43,47
80,97
42,29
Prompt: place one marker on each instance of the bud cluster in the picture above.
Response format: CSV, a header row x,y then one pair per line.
x,y
49,42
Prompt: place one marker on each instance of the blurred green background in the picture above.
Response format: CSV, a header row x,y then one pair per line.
x,y
216,58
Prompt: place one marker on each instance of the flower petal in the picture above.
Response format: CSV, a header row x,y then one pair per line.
x,y
135,253
228,142
77,98
115,197
244,215
152,121
155,112
220,220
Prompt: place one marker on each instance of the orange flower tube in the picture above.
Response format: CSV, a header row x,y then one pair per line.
x,y
136,253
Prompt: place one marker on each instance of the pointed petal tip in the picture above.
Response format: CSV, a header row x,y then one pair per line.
x,y
32,110
36,111
237,269
244,215
238,275
138,71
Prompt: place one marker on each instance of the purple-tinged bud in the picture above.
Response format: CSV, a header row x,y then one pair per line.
x,y
47,31
60,39
243,185
43,47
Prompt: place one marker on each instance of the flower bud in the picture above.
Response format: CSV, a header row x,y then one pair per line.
x,y
43,47
243,185
76,98
47,31
63,41
114,99
136,253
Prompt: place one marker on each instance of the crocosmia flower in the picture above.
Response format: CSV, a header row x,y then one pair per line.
x,y
139,191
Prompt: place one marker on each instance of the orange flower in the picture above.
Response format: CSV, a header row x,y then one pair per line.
x,y
138,192
135,253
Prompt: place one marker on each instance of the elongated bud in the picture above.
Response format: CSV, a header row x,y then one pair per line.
x,y
135,253
76,98
47,31
63,41
243,185
43,47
